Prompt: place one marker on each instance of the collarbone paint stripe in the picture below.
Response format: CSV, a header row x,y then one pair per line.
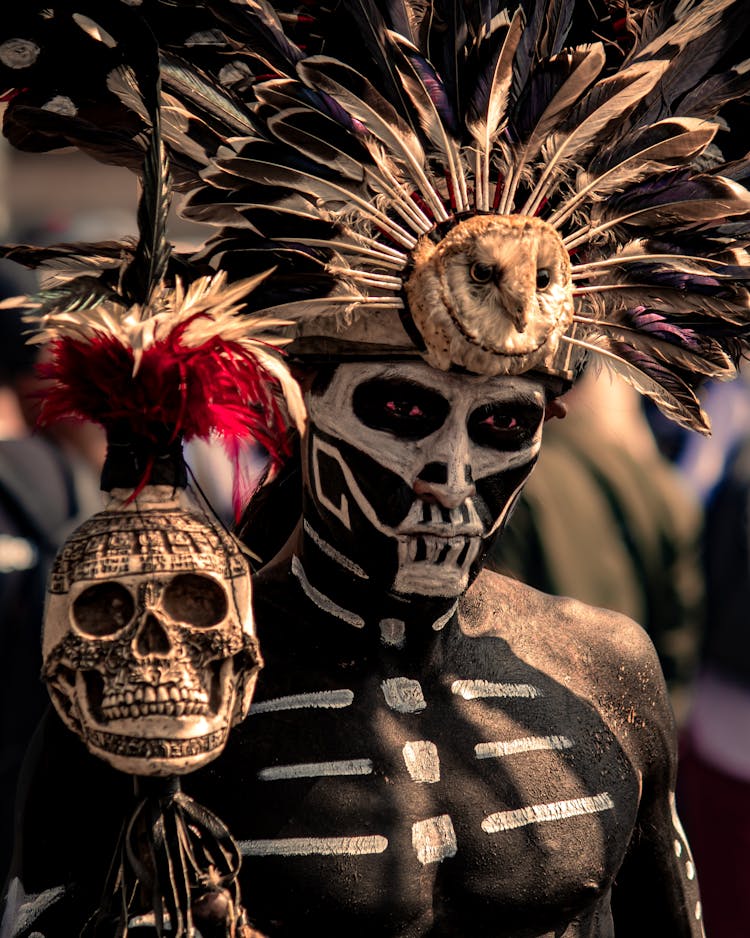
x,y
509,747
472,689
320,699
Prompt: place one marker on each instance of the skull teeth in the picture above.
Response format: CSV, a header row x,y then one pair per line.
x,y
147,700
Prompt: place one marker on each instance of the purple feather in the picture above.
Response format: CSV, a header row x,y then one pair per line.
x,y
655,324
435,89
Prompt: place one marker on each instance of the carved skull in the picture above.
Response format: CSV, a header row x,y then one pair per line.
x,y
149,647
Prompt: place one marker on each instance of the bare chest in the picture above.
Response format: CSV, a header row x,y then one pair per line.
x,y
403,801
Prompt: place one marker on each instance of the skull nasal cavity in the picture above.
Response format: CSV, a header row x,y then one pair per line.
x,y
434,472
152,639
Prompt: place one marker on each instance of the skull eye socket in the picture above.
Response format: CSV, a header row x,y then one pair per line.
x,y
103,609
195,600
403,408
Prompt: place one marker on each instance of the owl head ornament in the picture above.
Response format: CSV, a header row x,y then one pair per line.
x,y
493,296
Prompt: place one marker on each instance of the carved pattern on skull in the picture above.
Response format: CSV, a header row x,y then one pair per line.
x,y
149,648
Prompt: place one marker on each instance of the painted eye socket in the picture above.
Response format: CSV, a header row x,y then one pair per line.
x,y
504,425
481,273
103,610
195,600
543,278
402,408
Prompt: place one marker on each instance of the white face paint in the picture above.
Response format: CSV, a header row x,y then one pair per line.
x,y
412,470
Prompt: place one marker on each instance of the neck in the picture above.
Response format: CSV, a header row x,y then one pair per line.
x,y
344,590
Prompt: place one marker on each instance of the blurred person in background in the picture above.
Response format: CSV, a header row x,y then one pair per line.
x,y
48,485
605,518
714,781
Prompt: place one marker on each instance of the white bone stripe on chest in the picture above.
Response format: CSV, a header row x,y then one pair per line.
x,y
320,846
471,690
541,813
422,761
403,695
324,699
509,747
316,769
434,839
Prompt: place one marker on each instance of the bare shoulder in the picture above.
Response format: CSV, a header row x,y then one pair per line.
x,y
600,655
502,607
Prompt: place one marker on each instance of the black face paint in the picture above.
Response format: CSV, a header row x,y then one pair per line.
x,y
411,471
403,408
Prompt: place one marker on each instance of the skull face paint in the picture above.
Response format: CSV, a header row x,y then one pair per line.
x,y
149,649
411,471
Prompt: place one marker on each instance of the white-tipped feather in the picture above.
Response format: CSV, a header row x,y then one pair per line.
x,y
605,110
590,64
491,111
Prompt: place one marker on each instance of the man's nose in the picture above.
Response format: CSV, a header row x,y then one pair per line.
x,y
445,484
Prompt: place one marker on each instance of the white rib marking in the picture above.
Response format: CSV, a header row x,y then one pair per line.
x,y
539,813
393,632
470,690
509,747
322,699
403,695
336,555
320,846
316,769
322,601
434,839
422,761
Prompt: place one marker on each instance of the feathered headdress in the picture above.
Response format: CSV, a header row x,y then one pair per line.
x,y
456,179
496,187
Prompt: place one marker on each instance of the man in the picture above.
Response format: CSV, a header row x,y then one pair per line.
x,y
455,210
426,755
422,758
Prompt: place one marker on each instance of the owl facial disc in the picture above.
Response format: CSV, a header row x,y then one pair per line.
x,y
494,296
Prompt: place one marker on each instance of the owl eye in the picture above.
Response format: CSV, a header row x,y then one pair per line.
x,y
481,273
543,278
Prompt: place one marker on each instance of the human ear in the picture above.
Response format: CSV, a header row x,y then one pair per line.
x,y
555,408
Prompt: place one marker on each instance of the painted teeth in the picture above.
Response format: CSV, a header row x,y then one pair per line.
x,y
429,548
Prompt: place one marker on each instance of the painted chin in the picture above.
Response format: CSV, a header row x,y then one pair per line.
x,y
435,566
